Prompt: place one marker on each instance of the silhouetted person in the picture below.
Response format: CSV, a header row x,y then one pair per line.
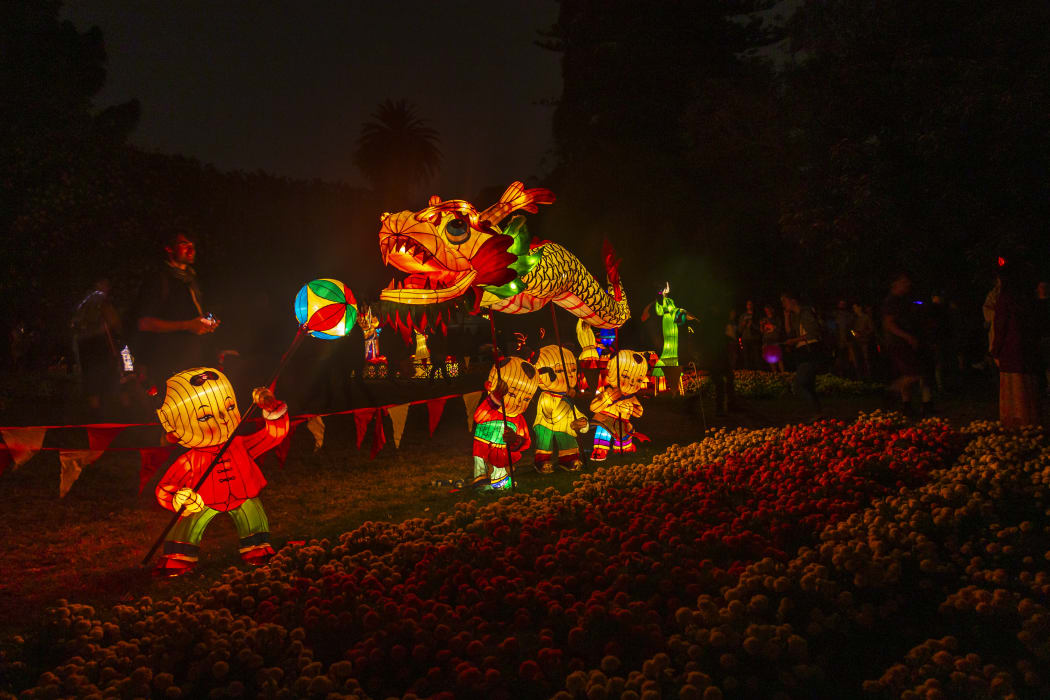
x,y
902,328
712,356
804,337
1015,348
96,338
172,318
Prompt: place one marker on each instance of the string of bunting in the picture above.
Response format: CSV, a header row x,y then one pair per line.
x,y
21,443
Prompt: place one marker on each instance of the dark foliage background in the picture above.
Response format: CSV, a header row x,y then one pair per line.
x,y
717,146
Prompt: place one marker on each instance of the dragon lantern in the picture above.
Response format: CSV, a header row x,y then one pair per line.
x,y
449,255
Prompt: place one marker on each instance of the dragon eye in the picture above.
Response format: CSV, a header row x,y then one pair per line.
x,y
457,231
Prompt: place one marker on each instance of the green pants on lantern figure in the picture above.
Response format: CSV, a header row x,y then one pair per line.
x,y
253,529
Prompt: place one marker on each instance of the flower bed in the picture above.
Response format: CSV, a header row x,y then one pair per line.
x,y
602,591
934,592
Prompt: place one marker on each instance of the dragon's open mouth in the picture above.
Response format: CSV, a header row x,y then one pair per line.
x,y
430,282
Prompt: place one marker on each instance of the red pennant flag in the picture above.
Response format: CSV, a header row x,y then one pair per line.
x,y
379,438
282,449
434,410
6,460
100,438
152,458
362,418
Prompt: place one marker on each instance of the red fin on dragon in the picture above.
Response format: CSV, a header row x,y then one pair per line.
x,y
449,255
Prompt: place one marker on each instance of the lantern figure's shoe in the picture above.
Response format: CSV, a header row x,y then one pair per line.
x,y
170,567
450,254
257,556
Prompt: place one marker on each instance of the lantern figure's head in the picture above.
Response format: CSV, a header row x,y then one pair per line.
x,y
521,380
627,371
327,308
552,373
446,250
200,408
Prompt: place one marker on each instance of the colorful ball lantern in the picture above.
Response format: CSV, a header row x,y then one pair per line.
x,y
327,308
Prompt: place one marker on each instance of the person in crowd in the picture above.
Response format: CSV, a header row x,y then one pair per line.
x,y
805,340
1042,322
901,328
863,337
790,321
938,335
988,311
732,340
845,359
772,336
96,343
958,330
172,318
713,357
750,337
1015,349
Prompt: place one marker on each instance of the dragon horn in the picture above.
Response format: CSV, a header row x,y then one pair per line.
x,y
517,197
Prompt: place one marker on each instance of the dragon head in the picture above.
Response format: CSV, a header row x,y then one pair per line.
x,y
448,249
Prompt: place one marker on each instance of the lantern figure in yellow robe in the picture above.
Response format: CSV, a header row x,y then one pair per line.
x,y
557,421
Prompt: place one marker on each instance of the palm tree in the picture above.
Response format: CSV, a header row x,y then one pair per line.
x,y
397,152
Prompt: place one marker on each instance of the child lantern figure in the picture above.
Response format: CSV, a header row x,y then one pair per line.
x,y
615,405
494,437
200,412
557,421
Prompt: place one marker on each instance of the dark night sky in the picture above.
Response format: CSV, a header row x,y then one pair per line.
x,y
285,86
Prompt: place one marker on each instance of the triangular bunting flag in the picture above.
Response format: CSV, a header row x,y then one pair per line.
x,y
282,449
5,459
362,417
100,437
151,459
398,414
434,409
379,436
73,462
23,443
315,424
470,402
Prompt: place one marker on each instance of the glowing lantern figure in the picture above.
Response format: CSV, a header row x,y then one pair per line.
x,y
557,422
493,435
421,358
670,318
370,325
200,412
615,405
327,307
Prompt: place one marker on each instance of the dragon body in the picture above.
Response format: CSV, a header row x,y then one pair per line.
x,y
450,255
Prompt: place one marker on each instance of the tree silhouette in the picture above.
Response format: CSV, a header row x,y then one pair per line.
x,y
397,152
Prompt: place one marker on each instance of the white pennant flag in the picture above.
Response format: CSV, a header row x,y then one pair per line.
x,y
316,427
23,443
398,414
73,462
470,402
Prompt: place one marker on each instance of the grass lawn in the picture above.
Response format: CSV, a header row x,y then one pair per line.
x,y
88,546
